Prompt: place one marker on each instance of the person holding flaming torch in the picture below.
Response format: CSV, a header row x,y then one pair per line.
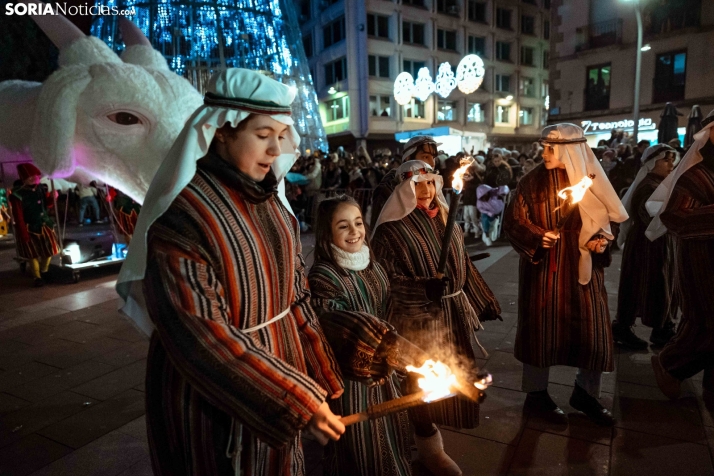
x,y
561,222
438,298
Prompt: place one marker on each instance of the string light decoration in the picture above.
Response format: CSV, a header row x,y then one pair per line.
x,y
198,38
469,73
445,80
403,88
424,85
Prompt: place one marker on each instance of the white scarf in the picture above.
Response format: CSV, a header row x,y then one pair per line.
x,y
352,261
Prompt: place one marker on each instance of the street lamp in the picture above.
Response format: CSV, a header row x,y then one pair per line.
x,y
638,67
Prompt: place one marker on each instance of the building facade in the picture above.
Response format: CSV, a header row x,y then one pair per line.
x,y
356,49
594,48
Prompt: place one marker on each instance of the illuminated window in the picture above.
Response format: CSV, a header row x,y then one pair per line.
x,y
448,111
337,109
502,114
477,112
526,116
414,109
380,106
528,87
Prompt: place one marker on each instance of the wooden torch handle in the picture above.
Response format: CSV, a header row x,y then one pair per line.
x,y
354,418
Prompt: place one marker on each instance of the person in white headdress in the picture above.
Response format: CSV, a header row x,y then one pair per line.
x,y
643,286
440,315
683,205
423,148
238,365
563,316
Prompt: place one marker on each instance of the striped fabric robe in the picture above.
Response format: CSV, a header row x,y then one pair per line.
x,y
409,250
351,308
644,290
219,263
690,217
560,321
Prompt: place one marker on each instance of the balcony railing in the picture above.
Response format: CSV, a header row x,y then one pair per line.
x,y
597,35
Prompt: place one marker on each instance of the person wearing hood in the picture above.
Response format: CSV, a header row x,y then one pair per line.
x,y
563,316
643,287
439,314
683,205
238,365
423,148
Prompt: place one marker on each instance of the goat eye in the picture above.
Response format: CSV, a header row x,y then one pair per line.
x,y
124,118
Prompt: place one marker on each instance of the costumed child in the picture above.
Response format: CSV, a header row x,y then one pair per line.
x,y
349,291
238,364
439,315
36,238
563,315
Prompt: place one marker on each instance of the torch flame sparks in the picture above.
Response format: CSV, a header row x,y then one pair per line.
x,y
458,182
438,380
577,191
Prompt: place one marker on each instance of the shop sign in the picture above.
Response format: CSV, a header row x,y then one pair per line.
x,y
592,127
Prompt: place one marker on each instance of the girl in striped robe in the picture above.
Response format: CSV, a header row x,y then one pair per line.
x,y
349,293
438,315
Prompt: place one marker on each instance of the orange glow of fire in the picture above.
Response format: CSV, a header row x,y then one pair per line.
x,y
438,380
577,191
484,383
458,182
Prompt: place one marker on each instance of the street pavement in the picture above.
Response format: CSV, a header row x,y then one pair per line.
x,y
72,392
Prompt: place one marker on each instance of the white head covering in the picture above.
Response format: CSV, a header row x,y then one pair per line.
x,y
649,160
232,95
403,199
600,205
657,203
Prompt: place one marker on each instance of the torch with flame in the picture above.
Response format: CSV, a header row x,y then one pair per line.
x,y
438,382
457,184
572,196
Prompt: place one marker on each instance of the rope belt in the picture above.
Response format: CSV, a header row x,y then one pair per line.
x,y
449,296
267,323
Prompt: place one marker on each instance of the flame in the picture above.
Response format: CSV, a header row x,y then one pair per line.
x,y
458,183
438,380
577,191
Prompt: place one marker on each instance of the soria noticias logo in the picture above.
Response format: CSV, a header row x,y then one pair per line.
x,y
63,9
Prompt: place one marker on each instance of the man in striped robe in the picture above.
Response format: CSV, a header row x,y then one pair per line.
x,y
238,364
563,316
688,213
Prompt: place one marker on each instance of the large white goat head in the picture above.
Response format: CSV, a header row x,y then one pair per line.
x,y
98,116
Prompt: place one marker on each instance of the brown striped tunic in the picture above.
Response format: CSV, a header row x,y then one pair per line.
x,y
352,306
560,321
221,260
409,250
644,286
690,217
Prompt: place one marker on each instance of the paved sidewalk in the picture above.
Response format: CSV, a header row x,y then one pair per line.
x,y
72,393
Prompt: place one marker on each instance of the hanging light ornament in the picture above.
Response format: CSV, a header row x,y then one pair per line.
x,y
424,85
469,74
445,80
403,88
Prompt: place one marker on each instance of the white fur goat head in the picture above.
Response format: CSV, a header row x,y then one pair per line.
x,y
98,116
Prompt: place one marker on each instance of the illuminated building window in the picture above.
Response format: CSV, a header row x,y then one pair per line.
x,y
414,109
502,114
477,112
448,111
597,88
528,88
380,106
526,116
337,109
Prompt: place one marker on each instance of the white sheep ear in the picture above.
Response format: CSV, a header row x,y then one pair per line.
x,y
58,29
131,34
56,119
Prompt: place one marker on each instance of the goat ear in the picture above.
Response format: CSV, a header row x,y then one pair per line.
x,y
56,120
